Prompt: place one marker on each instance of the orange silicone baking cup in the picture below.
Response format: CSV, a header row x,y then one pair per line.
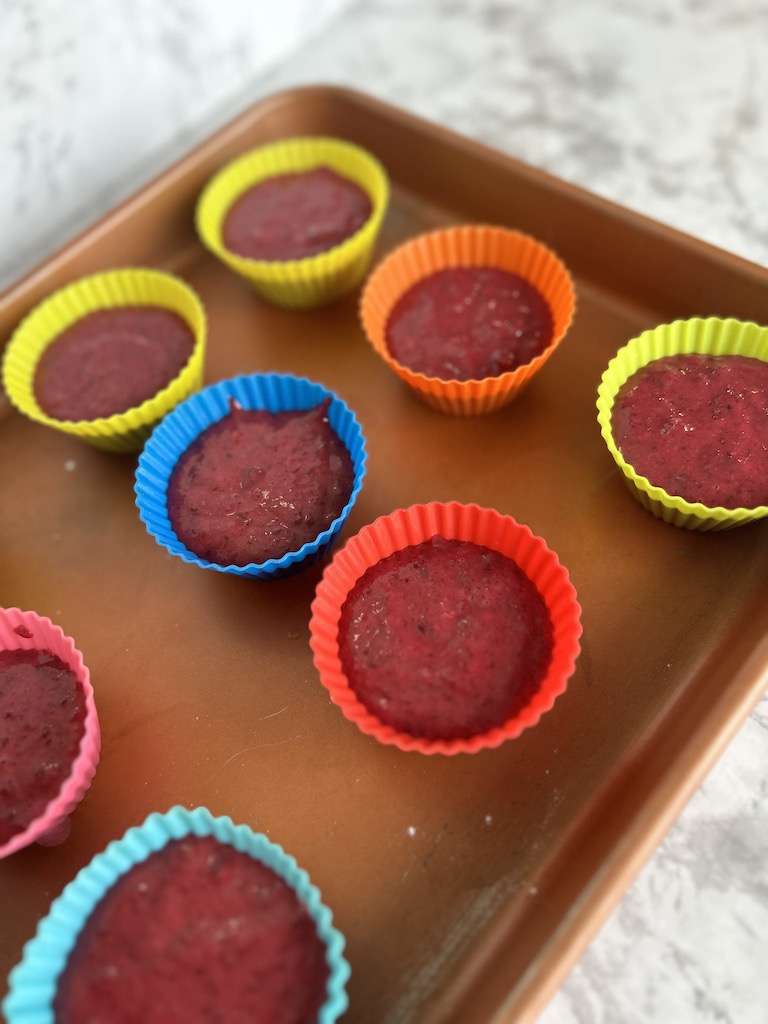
x,y
452,521
467,246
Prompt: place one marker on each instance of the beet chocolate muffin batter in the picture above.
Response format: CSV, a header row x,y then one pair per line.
x,y
292,216
257,485
698,427
198,932
42,720
445,639
110,361
468,323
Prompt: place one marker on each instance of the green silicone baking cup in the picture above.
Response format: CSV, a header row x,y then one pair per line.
x,y
710,337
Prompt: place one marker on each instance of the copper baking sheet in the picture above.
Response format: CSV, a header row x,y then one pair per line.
x,y
465,886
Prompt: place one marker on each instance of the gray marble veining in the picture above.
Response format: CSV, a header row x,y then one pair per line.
x,y
97,97
661,105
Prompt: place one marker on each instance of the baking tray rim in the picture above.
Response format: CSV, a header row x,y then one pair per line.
x,y
706,742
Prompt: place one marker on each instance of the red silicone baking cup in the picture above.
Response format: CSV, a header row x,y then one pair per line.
x,y
452,521
25,631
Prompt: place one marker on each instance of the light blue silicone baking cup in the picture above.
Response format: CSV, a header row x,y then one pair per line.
x,y
272,392
32,984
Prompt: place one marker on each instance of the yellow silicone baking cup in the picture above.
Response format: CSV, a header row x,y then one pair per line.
x,y
125,431
712,337
316,280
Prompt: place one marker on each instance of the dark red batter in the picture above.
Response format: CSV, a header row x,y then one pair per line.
x,y
257,485
198,933
292,216
111,360
698,427
445,639
42,715
468,323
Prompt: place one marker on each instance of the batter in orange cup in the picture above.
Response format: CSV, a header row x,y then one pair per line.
x,y
466,316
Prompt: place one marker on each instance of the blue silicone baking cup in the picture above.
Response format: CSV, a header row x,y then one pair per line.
x,y
32,983
272,392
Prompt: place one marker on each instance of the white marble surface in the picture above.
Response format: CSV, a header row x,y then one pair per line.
x,y
660,104
97,95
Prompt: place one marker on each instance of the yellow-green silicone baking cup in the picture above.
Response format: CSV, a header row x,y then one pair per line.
x,y
316,280
709,337
125,431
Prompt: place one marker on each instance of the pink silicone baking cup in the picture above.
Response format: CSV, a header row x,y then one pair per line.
x,y
452,521
24,631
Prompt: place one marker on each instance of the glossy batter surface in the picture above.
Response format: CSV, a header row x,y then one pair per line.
x,y
111,360
445,639
698,427
256,485
197,933
292,216
468,323
42,715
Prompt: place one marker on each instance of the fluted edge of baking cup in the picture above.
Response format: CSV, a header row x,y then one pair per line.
x,y
52,826
452,521
467,246
315,280
124,431
700,336
272,392
32,983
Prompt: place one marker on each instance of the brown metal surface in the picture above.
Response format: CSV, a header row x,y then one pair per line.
x,y
465,886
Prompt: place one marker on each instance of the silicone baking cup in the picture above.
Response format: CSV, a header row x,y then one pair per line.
x,y
273,392
451,521
26,631
468,246
316,280
713,337
32,984
125,431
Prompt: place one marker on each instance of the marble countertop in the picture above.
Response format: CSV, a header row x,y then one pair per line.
x,y
659,104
